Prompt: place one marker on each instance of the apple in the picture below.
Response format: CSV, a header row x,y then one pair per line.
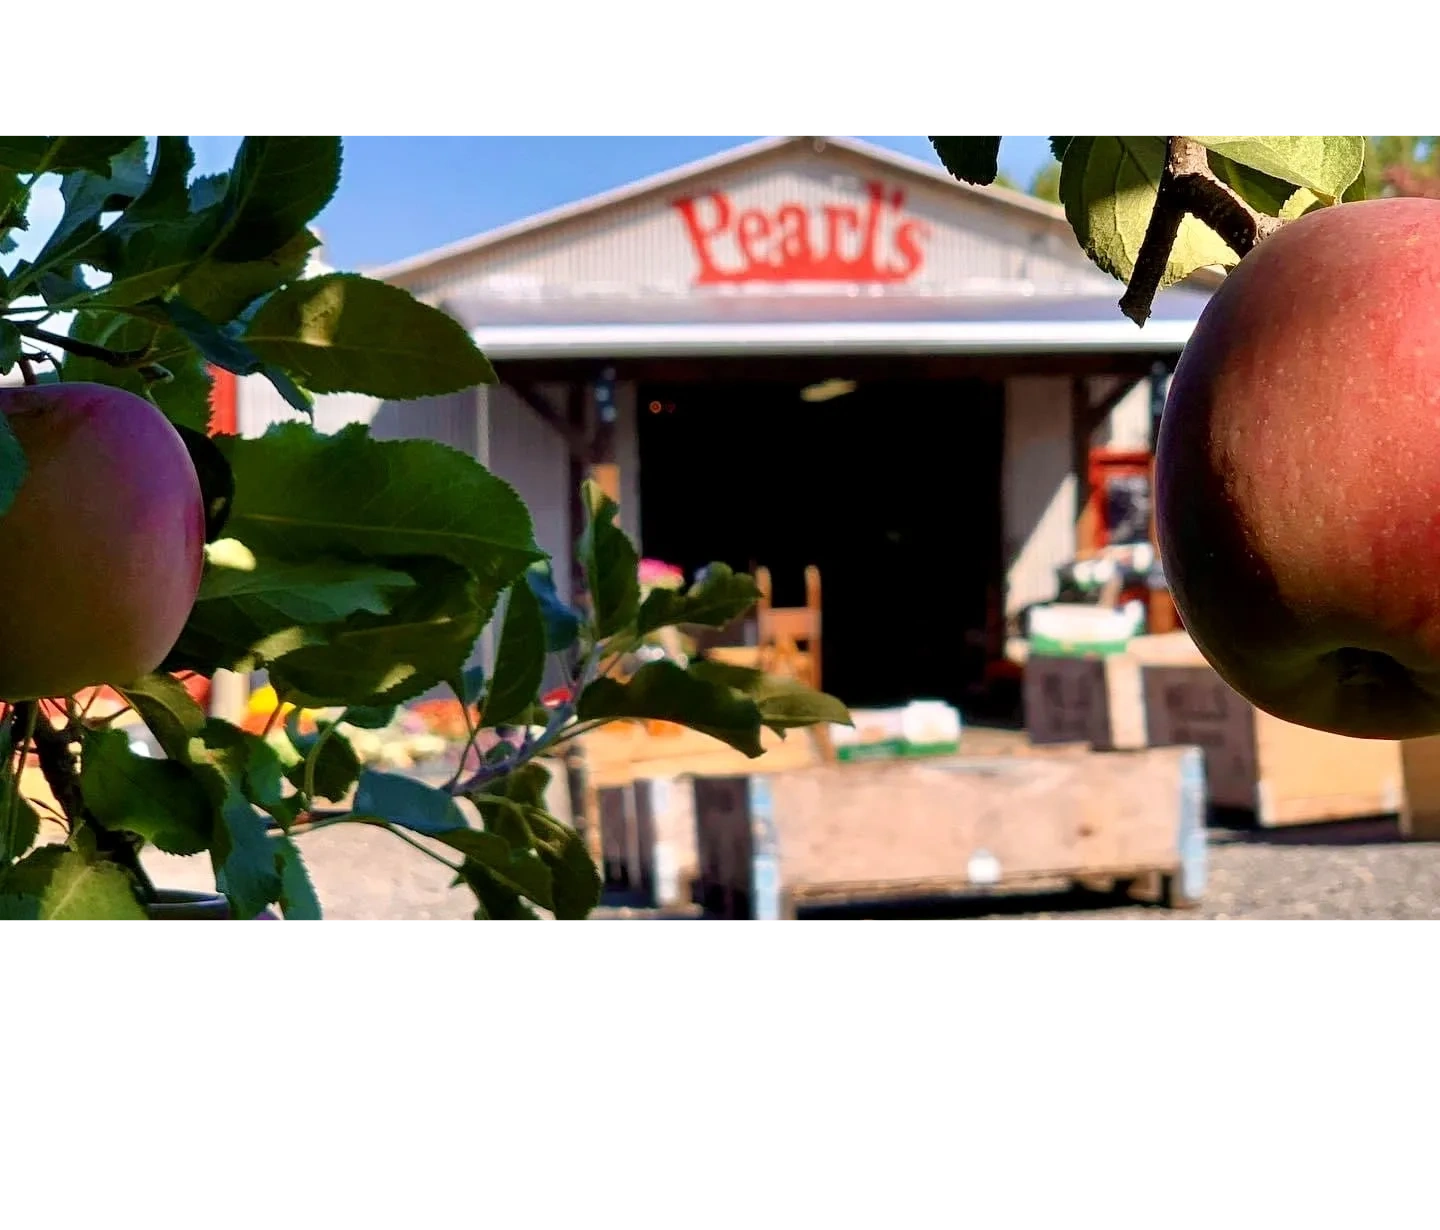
x,y
1298,473
102,549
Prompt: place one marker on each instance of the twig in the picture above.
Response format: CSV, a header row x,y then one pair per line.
x,y
58,764
27,370
86,350
1187,185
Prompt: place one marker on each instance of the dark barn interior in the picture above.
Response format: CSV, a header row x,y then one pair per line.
x,y
891,489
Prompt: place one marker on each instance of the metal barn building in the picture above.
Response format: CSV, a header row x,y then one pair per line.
x,y
804,351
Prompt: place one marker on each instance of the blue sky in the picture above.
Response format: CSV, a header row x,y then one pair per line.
x,y
403,195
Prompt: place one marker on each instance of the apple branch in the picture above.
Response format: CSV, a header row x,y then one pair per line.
x,y
86,350
60,767
1188,185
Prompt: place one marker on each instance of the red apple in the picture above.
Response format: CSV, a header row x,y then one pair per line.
x,y
101,552
1298,473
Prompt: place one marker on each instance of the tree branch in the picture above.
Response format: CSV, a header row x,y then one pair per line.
x,y
86,350
61,770
1188,185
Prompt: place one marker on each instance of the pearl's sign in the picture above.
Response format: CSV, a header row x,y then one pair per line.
x,y
876,242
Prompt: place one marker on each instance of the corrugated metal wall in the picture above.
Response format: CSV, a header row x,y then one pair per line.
x,y
643,248
1039,487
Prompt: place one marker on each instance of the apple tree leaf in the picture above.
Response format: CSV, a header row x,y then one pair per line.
x,y
1325,165
67,884
1108,188
975,160
519,659
301,494
663,691
718,598
343,333
611,564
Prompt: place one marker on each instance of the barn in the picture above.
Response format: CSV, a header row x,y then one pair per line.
x,y
806,351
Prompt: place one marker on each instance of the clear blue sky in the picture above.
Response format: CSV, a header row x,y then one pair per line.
x,y
403,195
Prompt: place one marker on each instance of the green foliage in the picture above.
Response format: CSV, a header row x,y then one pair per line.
x,y
1109,187
358,572
972,159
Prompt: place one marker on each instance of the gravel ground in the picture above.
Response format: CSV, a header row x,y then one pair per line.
x,y
1359,869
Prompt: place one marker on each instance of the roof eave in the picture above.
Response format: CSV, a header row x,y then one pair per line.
x,y
940,338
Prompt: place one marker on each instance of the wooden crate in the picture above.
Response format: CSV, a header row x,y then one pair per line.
x,y
1089,700
1420,808
1283,773
647,837
1161,692
769,844
617,756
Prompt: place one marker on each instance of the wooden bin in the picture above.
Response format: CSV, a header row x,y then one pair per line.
x,y
1161,692
769,844
637,800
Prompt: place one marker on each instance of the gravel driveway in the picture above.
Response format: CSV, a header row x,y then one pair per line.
x,y
1347,870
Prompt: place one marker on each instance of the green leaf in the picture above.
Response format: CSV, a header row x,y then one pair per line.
x,y
470,685
18,829
343,333
494,899
38,155
222,290
1108,187
244,857
519,660
277,186
562,621
1325,165
972,159
662,691
217,484
317,590
13,467
86,195
157,239
170,713
300,494
575,880
60,291
298,902
238,771
1302,202
719,597
15,908
1058,146
369,717
407,803
184,398
523,873
10,346
208,191
611,564
1258,190
68,885
336,766
212,341
783,703
158,800
424,640
245,760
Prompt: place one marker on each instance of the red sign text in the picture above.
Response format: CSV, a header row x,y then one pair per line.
x,y
876,243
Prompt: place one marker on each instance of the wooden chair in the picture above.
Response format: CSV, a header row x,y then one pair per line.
x,y
787,639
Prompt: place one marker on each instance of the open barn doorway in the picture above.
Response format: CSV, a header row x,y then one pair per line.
x,y
891,489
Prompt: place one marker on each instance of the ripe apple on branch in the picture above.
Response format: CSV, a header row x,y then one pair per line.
x,y
1298,459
